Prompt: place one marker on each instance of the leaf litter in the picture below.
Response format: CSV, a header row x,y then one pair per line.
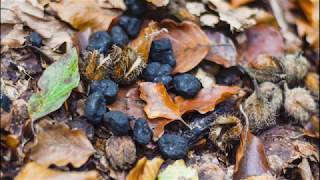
x,y
46,89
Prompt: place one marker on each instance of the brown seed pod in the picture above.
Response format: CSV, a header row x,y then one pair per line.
x,y
296,67
120,152
299,104
266,68
225,130
263,105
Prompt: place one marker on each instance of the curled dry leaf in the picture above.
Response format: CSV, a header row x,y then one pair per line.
x,y
129,102
223,50
58,144
145,169
15,38
83,14
190,44
251,159
159,103
206,99
159,3
262,39
33,170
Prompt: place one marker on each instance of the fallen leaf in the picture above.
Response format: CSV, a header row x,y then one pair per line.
x,y
129,102
306,30
206,99
145,169
209,20
56,84
195,8
312,128
83,14
190,44
312,82
237,3
59,145
305,170
159,103
112,4
159,3
35,171
262,39
178,170
15,38
251,159
223,50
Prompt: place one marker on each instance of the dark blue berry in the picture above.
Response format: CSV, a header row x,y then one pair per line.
x,y
173,146
95,107
108,88
5,102
165,80
161,45
141,132
119,36
100,41
161,51
186,85
35,39
135,7
165,69
118,122
151,71
131,25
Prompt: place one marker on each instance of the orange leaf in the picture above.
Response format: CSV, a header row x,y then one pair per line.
x,y
251,159
145,169
159,103
206,99
33,170
190,44
143,42
59,145
83,14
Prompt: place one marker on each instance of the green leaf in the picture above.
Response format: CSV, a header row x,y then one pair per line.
x,y
56,84
177,171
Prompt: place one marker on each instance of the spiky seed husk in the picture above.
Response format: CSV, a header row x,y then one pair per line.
x,y
296,67
126,65
299,104
263,105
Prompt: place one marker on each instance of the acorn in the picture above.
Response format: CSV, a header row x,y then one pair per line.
x,y
263,105
296,67
299,104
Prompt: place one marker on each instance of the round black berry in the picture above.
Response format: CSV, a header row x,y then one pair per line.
x,y
135,7
35,39
165,69
108,88
161,51
186,85
141,132
100,41
165,80
131,25
151,71
95,107
119,36
5,102
161,45
173,146
118,122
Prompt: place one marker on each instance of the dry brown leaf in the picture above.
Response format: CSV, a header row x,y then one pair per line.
x,y
15,38
190,43
129,102
262,39
206,99
312,128
159,103
145,169
114,4
159,3
251,159
223,50
83,14
36,171
237,3
58,144
207,79
306,30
